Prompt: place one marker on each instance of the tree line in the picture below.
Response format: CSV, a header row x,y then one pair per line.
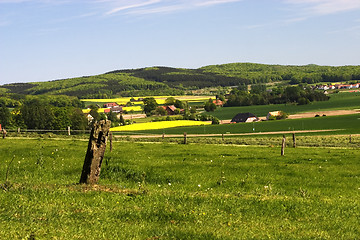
x,y
167,81
291,94
42,112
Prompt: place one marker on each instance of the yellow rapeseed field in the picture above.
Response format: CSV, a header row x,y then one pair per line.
x,y
159,99
134,108
158,125
101,110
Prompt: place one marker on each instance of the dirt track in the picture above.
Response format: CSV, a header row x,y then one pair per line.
x,y
321,113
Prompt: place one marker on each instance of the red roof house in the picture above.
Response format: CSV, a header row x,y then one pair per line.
x,y
109,105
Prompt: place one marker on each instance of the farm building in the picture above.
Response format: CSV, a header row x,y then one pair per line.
x,y
89,117
218,103
273,114
116,109
244,117
109,105
170,109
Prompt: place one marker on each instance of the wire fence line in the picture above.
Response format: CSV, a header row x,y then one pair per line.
x,y
68,131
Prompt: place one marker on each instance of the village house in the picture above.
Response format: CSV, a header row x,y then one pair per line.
x,y
244,117
169,109
109,105
218,103
273,114
89,117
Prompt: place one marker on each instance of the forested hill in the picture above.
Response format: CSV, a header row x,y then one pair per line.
x,y
165,80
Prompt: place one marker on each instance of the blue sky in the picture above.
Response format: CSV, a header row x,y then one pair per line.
x,y
44,40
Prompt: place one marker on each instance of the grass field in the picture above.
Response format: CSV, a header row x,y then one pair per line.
x,y
348,124
172,191
337,101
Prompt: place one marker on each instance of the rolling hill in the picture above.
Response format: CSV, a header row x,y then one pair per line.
x,y
170,81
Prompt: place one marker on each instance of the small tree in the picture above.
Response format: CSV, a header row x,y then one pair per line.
x,y
170,101
150,105
160,111
210,106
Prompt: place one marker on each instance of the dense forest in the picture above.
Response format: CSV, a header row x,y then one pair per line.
x,y
175,81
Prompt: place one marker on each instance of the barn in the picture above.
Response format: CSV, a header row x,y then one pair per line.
x,y
244,117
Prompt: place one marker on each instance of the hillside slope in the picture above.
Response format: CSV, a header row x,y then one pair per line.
x,y
165,80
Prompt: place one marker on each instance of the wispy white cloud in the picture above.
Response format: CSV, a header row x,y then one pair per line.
x,y
157,6
132,6
325,7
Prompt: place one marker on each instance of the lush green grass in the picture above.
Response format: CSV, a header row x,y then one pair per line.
x,y
350,124
337,101
172,191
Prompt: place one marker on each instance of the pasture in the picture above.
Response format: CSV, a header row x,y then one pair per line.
x,y
176,191
338,101
346,124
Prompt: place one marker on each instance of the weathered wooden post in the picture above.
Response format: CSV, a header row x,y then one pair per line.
x,y
110,139
69,131
350,139
294,140
18,130
95,152
222,136
283,146
185,137
4,133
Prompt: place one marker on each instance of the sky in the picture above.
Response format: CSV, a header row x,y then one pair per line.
x,y
43,40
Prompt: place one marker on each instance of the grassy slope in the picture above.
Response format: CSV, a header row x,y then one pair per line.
x,y
349,123
336,102
216,192
164,78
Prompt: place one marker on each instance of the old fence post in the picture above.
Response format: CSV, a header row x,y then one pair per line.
x,y
350,139
185,137
69,131
4,133
283,146
294,140
111,139
95,153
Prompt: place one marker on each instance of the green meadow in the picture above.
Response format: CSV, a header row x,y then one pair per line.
x,y
177,191
346,124
337,101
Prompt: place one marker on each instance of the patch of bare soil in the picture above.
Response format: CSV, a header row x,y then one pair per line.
x,y
321,113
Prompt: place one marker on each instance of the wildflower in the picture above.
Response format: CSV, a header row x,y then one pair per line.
x,y
169,184
199,185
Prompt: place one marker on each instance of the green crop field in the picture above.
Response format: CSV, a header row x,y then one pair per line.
x,y
176,191
346,124
339,101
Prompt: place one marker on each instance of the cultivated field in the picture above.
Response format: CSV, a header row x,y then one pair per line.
x,y
339,101
346,124
176,191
